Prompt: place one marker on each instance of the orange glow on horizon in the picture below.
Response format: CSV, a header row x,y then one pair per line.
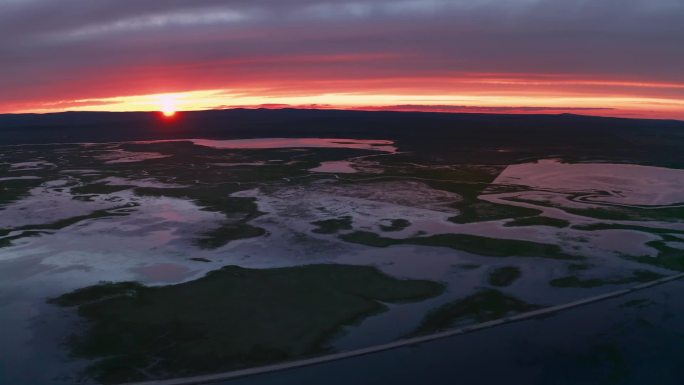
x,y
405,94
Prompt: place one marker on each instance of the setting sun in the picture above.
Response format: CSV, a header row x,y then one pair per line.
x,y
168,106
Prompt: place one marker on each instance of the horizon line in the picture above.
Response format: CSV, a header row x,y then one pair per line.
x,y
534,111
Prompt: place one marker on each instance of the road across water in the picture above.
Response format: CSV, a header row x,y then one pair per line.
x,y
433,349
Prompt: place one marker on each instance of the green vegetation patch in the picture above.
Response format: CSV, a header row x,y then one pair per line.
x,y
394,224
469,266
668,256
200,259
637,276
617,226
579,266
477,177
637,303
617,213
100,292
481,211
98,188
675,214
538,221
331,226
38,229
228,232
504,276
475,244
13,190
483,306
231,318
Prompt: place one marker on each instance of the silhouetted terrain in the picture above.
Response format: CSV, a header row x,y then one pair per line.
x,y
482,138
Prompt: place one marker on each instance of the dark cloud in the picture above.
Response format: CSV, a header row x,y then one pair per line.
x,y
57,50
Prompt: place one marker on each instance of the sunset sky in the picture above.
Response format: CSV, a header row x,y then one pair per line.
x,y
601,57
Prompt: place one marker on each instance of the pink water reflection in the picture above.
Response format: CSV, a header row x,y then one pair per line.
x,y
266,143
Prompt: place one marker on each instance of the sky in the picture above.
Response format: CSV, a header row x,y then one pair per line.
x,y
599,57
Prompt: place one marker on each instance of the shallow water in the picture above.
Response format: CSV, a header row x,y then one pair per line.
x,y
630,340
337,166
626,184
104,213
270,143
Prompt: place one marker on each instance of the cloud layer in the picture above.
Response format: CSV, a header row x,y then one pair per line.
x,y
59,51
